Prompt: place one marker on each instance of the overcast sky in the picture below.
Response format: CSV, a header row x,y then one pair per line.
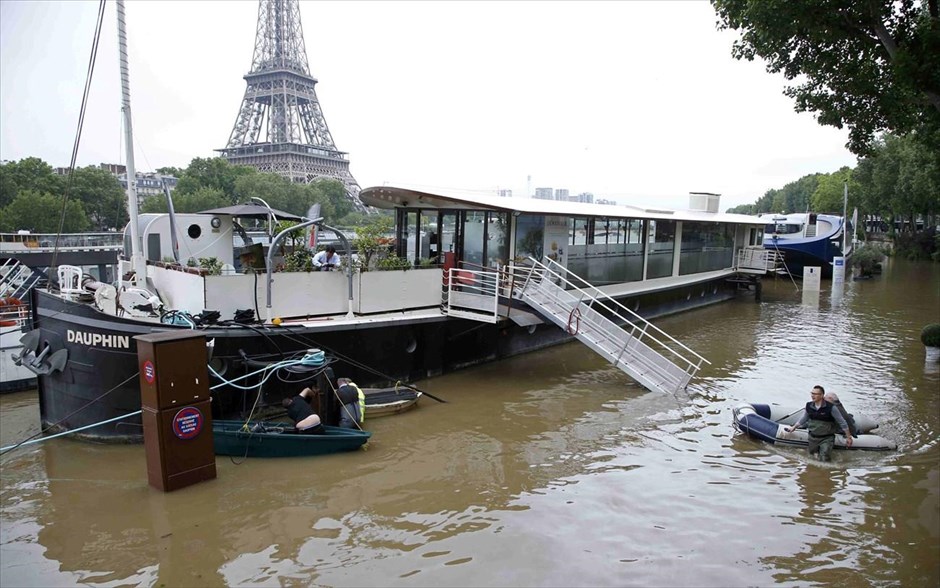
x,y
640,102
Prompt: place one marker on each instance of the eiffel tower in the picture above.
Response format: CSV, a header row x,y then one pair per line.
x,y
280,127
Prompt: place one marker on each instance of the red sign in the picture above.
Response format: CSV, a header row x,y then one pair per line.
x,y
150,371
187,423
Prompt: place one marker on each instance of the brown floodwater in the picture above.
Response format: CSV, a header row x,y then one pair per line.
x,y
551,469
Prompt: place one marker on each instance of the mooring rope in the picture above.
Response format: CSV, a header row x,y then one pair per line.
x,y
69,432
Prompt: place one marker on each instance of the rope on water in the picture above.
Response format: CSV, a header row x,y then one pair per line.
x,y
117,418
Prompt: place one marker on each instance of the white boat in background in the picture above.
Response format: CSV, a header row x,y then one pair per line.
x,y
808,239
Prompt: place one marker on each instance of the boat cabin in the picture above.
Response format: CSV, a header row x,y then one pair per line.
x,y
602,244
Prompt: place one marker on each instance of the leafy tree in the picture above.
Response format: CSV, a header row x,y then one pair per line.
x,y
176,172
334,192
31,174
215,172
201,199
830,192
873,66
40,213
102,196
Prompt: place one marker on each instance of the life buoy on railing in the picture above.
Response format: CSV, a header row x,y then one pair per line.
x,y
11,306
574,321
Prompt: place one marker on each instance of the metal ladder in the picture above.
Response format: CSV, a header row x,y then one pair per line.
x,y
619,335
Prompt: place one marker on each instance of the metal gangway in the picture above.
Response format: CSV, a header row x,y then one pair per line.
x,y
17,279
631,343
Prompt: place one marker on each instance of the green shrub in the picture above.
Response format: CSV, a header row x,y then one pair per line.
x,y
298,261
930,335
393,262
866,258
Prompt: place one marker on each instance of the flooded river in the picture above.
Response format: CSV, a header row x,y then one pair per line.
x,y
552,469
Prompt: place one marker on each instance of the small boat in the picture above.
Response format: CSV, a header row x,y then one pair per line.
x,y
749,420
280,440
386,401
789,416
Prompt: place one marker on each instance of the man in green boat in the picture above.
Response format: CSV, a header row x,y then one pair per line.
x,y
298,409
821,419
352,411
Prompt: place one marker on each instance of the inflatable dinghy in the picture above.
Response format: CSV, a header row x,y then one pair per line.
x,y
755,420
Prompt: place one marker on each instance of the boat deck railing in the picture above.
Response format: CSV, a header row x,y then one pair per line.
x,y
471,291
45,242
758,260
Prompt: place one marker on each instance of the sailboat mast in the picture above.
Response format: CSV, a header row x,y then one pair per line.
x,y
137,258
845,213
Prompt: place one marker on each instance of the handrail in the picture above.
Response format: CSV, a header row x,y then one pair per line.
x,y
602,296
482,282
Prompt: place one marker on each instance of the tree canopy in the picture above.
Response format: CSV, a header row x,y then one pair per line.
x,y
873,66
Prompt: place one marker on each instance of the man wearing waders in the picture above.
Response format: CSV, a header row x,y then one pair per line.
x,y
821,419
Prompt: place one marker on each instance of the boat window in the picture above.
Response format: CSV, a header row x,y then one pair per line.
x,y
600,231
662,242
153,247
194,231
497,238
474,236
530,237
409,233
616,255
448,232
706,247
579,231
429,243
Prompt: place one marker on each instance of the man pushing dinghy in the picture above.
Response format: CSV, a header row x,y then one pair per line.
x,y
821,418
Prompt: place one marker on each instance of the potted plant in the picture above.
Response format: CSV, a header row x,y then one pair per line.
x,y
930,337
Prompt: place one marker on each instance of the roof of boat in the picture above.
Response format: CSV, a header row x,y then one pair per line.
x,y
797,217
396,196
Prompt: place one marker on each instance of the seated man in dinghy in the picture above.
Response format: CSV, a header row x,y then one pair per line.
x,y
298,409
833,399
821,419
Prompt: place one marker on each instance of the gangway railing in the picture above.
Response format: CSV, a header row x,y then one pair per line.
x,y
471,293
637,347
17,279
758,260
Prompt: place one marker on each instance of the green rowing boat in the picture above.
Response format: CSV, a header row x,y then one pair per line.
x,y
279,440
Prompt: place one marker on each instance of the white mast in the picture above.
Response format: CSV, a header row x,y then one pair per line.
x,y
845,212
137,256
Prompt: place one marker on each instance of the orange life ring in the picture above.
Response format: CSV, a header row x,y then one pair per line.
x,y
9,306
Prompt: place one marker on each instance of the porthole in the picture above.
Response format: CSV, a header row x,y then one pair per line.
x,y
715,290
412,345
531,329
688,296
194,231
219,365
702,295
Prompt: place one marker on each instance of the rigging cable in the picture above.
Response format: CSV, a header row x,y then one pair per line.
x,y
78,132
